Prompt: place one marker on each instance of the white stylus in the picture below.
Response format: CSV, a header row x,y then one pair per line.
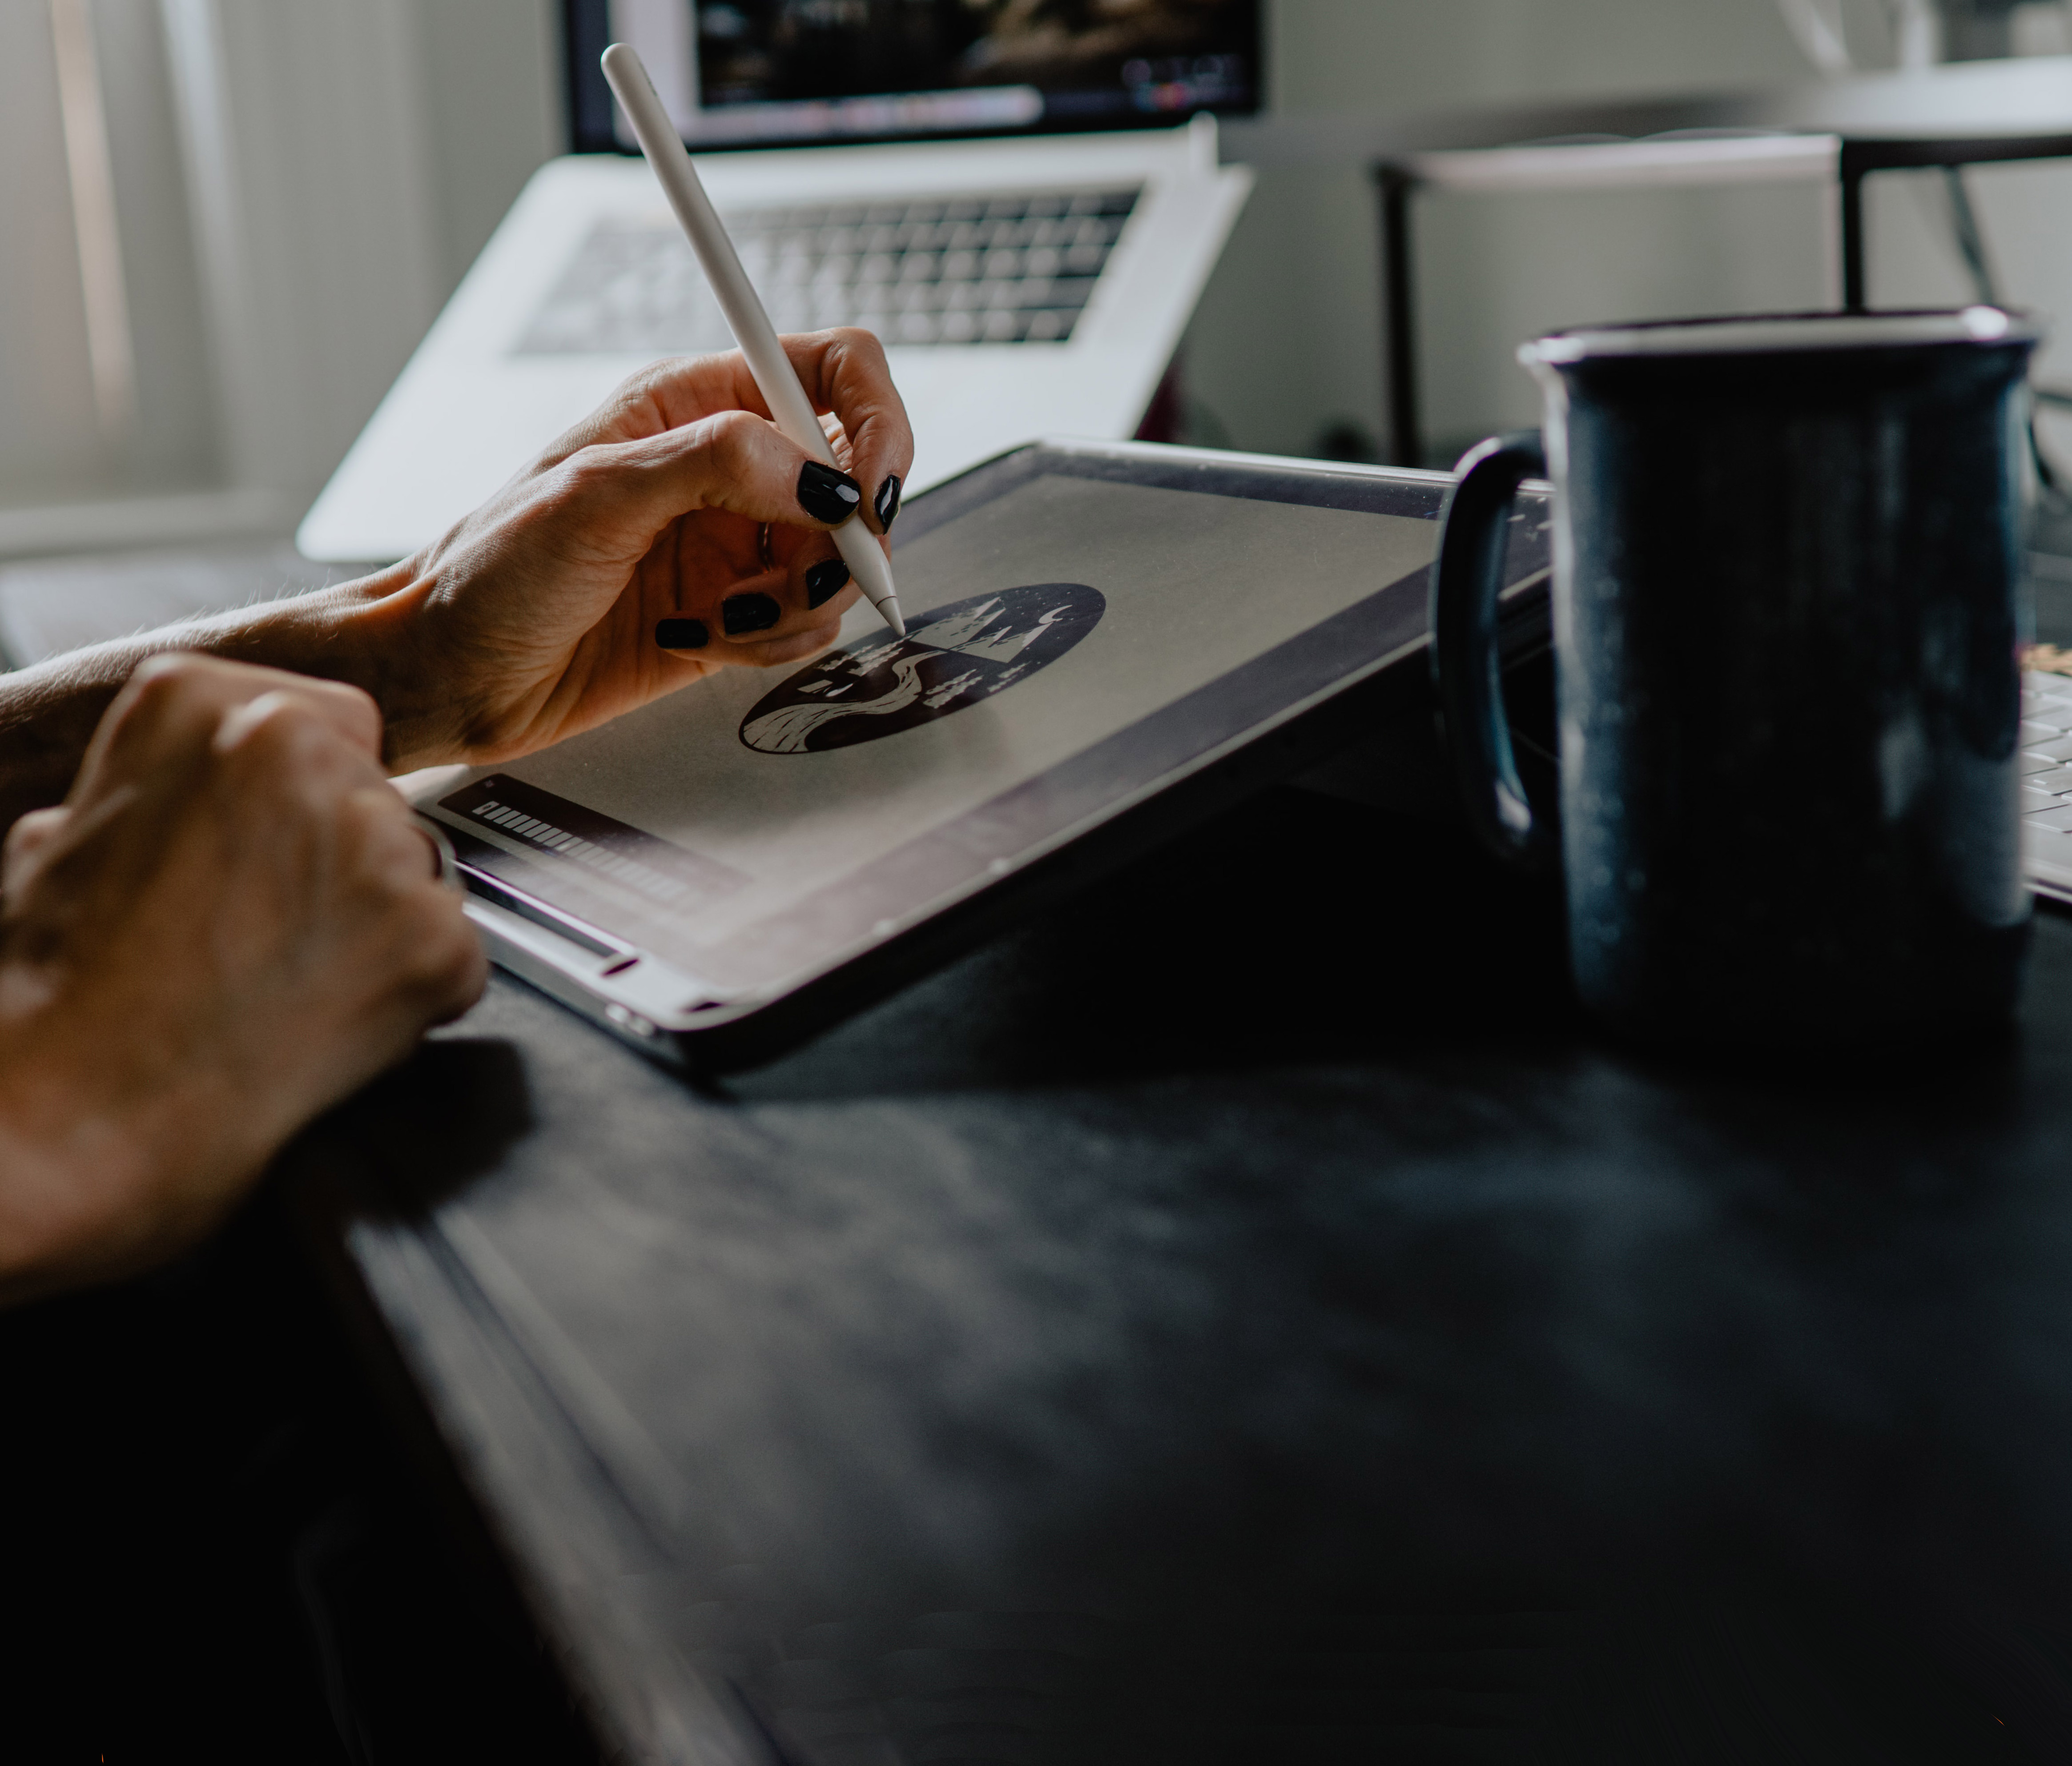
x,y
775,376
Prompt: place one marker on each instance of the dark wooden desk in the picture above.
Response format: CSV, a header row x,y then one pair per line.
x,y
1243,1316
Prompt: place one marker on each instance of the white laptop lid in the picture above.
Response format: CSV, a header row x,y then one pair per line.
x,y
479,397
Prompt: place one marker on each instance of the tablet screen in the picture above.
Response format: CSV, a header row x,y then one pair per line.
x,y
1075,638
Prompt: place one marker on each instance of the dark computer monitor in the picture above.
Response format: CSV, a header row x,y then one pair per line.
x,y
741,73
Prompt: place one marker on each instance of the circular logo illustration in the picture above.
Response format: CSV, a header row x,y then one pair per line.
x,y
949,658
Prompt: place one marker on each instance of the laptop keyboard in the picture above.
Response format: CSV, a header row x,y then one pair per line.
x,y
934,270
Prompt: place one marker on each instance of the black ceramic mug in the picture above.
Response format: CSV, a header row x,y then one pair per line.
x,y
1788,595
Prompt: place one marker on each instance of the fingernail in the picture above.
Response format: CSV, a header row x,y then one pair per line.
x,y
887,504
681,633
739,614
827,494
824,580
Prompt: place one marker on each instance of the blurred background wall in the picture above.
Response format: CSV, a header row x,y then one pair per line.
x,y
300,183
1286,347
1285,354
289,190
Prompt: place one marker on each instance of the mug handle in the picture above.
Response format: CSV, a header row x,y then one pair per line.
x,y
1467,578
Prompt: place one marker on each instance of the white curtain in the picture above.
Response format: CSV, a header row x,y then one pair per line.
x,y
223,231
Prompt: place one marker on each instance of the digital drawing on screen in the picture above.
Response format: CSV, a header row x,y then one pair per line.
x,y
950,658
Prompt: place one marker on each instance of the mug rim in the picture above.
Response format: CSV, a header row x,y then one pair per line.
x,y
1748,334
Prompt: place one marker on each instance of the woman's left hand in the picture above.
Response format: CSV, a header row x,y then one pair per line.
x,y
629,558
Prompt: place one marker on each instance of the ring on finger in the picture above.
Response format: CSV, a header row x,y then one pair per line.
x,y
762,548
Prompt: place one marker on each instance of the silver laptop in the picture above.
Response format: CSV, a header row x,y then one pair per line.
x,y
1029,252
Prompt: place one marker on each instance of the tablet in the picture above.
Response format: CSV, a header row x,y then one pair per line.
x,y
1106,643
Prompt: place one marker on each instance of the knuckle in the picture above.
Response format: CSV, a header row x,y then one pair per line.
x,y
733,437
283,733
287,753
579,477
590,475
172,667
864,346
36,825
161,685
563,495
163,708
641,386
31,835
731,452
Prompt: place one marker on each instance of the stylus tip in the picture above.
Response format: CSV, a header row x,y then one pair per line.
x,y
890,608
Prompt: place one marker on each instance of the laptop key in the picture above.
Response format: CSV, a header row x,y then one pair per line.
x,y
2057,781
2059,819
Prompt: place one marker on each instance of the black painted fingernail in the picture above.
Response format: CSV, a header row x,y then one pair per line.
x,y
681,633
887,504
824,580
827,494
739,614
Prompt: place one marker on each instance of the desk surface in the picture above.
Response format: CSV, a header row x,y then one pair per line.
x,y
1209,1325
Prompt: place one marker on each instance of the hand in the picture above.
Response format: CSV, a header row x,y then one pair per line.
x,y
231,923
537,616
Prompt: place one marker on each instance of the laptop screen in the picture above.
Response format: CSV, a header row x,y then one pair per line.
x,y
770,72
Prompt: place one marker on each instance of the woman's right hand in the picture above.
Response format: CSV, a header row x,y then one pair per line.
x,y
626,562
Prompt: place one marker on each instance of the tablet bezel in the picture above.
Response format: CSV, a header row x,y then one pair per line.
x,y
1285,708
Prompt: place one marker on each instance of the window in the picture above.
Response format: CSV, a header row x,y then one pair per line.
x,y
104,379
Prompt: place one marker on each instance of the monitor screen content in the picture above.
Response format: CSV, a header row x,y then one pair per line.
x,y
760,72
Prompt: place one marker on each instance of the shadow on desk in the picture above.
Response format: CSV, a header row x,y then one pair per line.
x,y
1301,932
1244,1315
213,1551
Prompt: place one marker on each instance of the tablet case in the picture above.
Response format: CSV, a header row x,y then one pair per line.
x,y
578,902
